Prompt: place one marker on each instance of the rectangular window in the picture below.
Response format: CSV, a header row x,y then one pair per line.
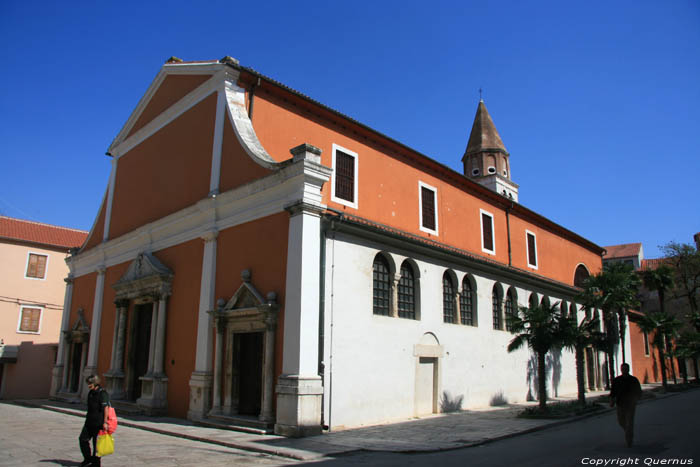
x,y
488,245
36,266
646,344
531,249
428,208
29,319
344,183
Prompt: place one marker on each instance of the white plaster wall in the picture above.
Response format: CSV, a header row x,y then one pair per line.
x,y
370,361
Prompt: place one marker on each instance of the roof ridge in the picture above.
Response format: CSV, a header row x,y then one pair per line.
x,y
43,224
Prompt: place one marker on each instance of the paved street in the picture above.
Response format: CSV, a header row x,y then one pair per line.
x,y
666,429
36,437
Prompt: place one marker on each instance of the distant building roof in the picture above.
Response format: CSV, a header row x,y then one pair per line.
x,y
653,263
36,232
622,251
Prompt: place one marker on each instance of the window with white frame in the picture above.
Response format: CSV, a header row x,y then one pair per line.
x,y
29,319
36,266
427,200
488,241
344,178
531,241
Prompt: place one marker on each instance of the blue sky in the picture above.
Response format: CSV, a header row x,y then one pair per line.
x,y
597,102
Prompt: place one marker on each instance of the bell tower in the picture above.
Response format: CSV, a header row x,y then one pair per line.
x,y
486,160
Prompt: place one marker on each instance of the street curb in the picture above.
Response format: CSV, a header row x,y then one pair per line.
x,y
301,455
242,446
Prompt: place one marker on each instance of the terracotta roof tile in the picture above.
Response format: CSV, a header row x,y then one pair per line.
x,y
653,263
622,251
45,234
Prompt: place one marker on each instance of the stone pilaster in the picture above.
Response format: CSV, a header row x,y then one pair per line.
x,y
115,376
60,367
95,326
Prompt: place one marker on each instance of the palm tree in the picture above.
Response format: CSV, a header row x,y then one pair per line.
x,y
540,327
660,280
662,326
578,337
613,290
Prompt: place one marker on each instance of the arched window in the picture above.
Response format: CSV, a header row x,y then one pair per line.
x,y
580,275
496,304
407,292
466,303
510,309
448,299
545,302
563,309
381,287
532,301
572,310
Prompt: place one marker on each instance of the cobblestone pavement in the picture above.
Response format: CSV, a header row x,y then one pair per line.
x,y
34,436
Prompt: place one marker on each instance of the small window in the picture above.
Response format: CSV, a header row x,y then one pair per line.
x,y
531,249
36,266
505,173
381,290
407,293
510,310
428,208
532,301
492,170
448,299
30,319
572,311
646,344
496,306
475,172
466,303
487,240
344,183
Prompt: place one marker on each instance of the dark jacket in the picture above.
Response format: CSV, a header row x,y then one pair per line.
x,y
625,389
97,400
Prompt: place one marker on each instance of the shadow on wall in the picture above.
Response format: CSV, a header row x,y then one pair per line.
x,y
450,404
498,399
30,376
552,364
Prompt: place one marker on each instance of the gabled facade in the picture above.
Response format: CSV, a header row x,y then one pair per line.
x,y
32,287
290,255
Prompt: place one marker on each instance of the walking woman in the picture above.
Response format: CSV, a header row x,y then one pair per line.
x,y
95,420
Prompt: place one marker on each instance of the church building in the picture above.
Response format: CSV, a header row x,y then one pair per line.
x,y
262,260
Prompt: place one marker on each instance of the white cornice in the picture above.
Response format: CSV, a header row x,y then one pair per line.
x,y
298,181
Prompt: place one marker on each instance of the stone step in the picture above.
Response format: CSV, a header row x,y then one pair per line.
x,y
126,408
238,423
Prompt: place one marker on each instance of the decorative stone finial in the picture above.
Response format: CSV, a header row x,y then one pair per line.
x,y
174,59
229,61
306,151
245,275
271,297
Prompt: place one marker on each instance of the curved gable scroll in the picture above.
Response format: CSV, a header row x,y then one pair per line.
x,y
247,309
146,279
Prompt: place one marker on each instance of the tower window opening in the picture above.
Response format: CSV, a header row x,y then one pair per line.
x,y
475,172
492,170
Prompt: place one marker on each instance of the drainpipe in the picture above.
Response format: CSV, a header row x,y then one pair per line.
x,y
510,255
251,98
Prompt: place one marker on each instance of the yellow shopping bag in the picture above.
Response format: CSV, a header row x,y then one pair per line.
x,y
105,445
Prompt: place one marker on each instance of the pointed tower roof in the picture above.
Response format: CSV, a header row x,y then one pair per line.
x,y
484,136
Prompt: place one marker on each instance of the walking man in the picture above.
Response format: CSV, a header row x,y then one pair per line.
x,y
625,392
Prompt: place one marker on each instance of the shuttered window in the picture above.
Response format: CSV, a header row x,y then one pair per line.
x,y
531,250
344,176
428,208
448,299
510,310
36,266
381,287
496,303
407,293
29,321
487,231
466,302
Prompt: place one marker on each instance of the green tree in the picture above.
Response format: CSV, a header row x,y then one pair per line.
x,y
688,346
541,328
663,327
684,259
578,337
614,290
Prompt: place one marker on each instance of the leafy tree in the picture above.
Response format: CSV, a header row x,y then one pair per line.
x,y
684,259
662,326
614,290
688,346
578,337
541,328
